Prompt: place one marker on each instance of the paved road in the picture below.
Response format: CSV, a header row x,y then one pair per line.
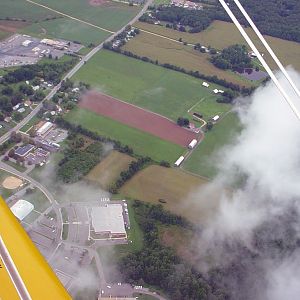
x,y
72,72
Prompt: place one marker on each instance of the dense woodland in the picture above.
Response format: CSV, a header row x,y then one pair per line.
x,y
158,265
234,57
273,17
78,161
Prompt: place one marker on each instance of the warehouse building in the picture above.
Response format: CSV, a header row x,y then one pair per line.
x,y
44,129
108,222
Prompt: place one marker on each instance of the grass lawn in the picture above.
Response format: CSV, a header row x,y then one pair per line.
x,y
38,199
109,169
202,161
67,29
20,9
110,15
163,91
19,168
65,231
166,51
223,34
4,34
141,142
30,123
174,187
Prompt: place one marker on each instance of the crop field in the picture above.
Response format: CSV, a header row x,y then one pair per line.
x,y
109,169
173,186
157,89
204,159
20,9
110,15
223,34
175,53
67,29
136,117
142,143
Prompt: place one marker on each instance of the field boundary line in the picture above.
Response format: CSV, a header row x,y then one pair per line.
x,y
70,17
191,108
138,107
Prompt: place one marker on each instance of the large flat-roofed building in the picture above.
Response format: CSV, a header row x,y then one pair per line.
x,y
24,150
44,128
108,221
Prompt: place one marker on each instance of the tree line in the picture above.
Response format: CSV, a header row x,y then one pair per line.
x,y
133,168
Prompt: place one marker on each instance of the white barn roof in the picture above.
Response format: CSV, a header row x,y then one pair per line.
x,y
108,218
22,209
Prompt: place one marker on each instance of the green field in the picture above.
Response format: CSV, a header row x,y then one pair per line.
x,y
163,91
223,34
110,15
67,29
178,54
141,142
109,169
20,9
3,35
172,186
38,199
203,160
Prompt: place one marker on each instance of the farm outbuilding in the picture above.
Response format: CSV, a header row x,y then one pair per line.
x,y
192,144
179,161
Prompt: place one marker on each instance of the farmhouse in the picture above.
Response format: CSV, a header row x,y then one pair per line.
x,y
108,221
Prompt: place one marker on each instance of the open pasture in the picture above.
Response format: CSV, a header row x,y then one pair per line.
x,y
137,117
166,92
142,143
221,34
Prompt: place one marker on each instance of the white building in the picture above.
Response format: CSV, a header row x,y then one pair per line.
x,y
22,209
192,144
108,220
44,129
205,84
216,118
179,161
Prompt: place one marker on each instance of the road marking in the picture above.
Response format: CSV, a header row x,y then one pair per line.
x,y
70,17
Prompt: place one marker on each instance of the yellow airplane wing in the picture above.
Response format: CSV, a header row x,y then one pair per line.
x,y
24,273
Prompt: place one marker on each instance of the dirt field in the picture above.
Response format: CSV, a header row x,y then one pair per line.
x,y
11,183
136,117
109,169
178,189
11,26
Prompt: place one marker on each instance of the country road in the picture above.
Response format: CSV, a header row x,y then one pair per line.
x,y
87,57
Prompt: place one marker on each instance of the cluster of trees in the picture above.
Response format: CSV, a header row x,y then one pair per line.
x,y
277,18
13,139
77,162
93,135
273,17
158,265
235,87
234,57
48,71
196,20
133,168
227,97
183,121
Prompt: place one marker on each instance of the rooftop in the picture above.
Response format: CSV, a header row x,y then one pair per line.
x,y
108,218
21,209
23,150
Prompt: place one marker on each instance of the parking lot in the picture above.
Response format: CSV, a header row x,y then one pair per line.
x,y
21,49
